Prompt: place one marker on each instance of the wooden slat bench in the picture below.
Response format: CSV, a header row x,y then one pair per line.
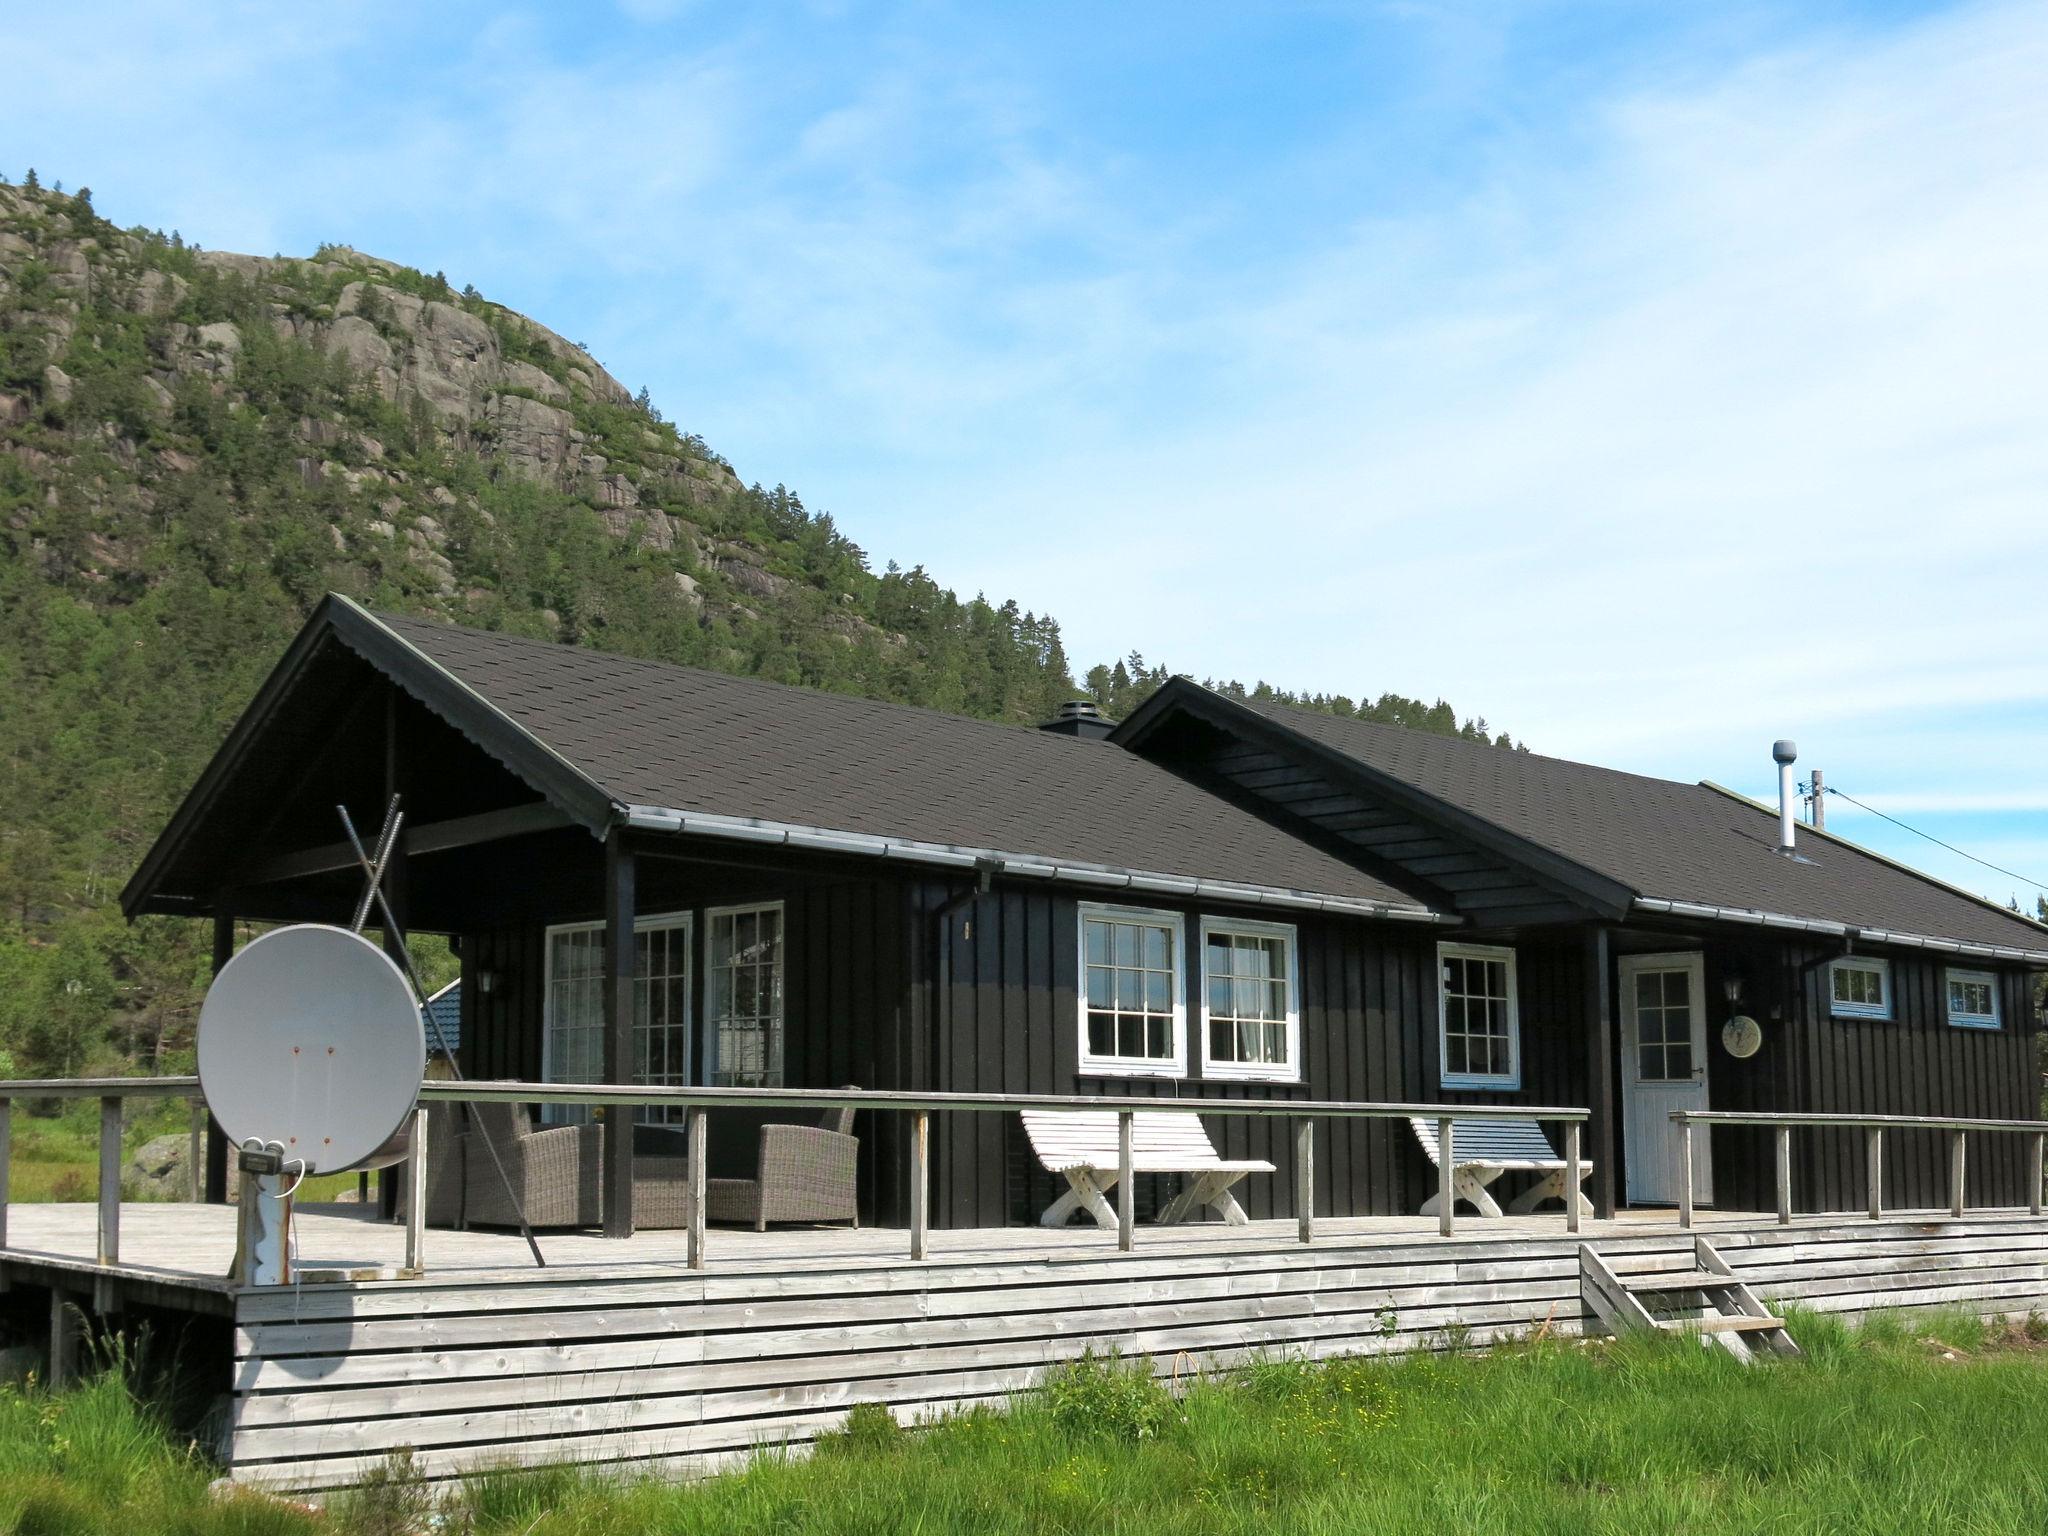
x,y
1483,1150
1082,1147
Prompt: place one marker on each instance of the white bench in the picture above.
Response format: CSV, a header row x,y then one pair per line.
x,y
1483,1150
1082,1146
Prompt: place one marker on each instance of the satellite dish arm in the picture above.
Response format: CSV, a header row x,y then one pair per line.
x,y
375,871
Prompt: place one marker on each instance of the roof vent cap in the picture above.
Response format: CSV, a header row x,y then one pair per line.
x,y
1080,717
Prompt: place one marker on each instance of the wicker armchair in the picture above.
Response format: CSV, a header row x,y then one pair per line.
x,y
557,1174
447,1157
802,1173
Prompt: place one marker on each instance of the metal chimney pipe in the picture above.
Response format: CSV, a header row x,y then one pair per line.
x,y
1785,754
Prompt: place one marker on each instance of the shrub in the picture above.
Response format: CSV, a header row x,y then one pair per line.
x,y
1099,1397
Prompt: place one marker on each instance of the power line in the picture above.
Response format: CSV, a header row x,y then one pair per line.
x,y
1951,847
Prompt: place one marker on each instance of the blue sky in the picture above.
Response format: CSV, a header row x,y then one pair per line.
x,y
1653,379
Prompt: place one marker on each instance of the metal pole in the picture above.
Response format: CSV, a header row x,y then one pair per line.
x,y
1574,1174
2035,1144
1956,1151
1873,1159
1305,1180
416,1196
695,1202
920,1180
1444,1220
1685,1174
1784,1175
1126,1182
7,1158
110,1181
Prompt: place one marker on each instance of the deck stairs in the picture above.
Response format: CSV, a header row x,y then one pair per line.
x,y
1708,1299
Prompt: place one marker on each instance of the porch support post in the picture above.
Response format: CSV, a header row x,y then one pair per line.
x,y
1600,1061
618,1032
216,1140
1873,1155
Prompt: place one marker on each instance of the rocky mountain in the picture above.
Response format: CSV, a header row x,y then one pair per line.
x,y
195,445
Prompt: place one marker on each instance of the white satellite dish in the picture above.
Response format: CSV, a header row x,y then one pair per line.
x,y
310,1038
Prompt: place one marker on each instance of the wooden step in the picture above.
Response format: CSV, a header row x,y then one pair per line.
x,y
1722,1324
1646,1285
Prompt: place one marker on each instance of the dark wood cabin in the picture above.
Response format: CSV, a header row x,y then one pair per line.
x,y
1212,899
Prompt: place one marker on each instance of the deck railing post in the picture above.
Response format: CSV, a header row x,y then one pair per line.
x,y
195,1154
1685,1174
694,1200
416,1195
1574,1172
1126,1181
1873,1161
920,1180
110,1180
2036,1144
1784,1175
1445,1184
1305,1179
7,1157
1957,1149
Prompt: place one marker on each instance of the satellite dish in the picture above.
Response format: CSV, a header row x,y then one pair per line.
x,y
1742,1036
310,1038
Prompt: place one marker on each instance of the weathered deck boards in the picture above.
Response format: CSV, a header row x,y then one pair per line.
x,y
617,1354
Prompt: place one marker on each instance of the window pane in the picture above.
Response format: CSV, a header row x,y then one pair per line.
x,y
1126,944
1158,991
1158,948
1101,986
1098,942
1102,1034
1222,1040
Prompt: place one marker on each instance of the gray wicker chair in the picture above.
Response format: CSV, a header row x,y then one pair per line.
x,y
802,1173
557,1173
447,1158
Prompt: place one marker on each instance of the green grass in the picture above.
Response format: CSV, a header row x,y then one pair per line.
x,y
1927,1426
57,1157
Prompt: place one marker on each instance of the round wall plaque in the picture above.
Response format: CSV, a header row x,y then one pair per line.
x,y
1742,1036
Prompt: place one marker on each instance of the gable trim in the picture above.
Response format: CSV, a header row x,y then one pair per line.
x,y
340,620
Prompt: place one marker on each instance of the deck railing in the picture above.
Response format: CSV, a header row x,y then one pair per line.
x,y
697,1103
1873,1127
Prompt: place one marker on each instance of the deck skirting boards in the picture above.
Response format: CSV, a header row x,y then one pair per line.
x,y
689,1371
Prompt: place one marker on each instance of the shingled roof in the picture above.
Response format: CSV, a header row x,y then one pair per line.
x,y
694,751
1686,846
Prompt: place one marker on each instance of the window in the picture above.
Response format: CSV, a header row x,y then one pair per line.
x,y
1132,1015
1250,1027
1663,1012
1478,1027
1860,988
743,995
572,1042
1973,999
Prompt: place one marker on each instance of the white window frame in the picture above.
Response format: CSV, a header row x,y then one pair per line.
x,y
1254,1071
1497,1082
1989,979
781,1017
1869,965
651,922
1133,1066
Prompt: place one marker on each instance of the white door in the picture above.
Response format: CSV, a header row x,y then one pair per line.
x,y
1663,1067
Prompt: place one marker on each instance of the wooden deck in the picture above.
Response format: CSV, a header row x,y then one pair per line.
x,y
618,1354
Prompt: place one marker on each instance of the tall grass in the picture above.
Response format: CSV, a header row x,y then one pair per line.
x,y
1902,1428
